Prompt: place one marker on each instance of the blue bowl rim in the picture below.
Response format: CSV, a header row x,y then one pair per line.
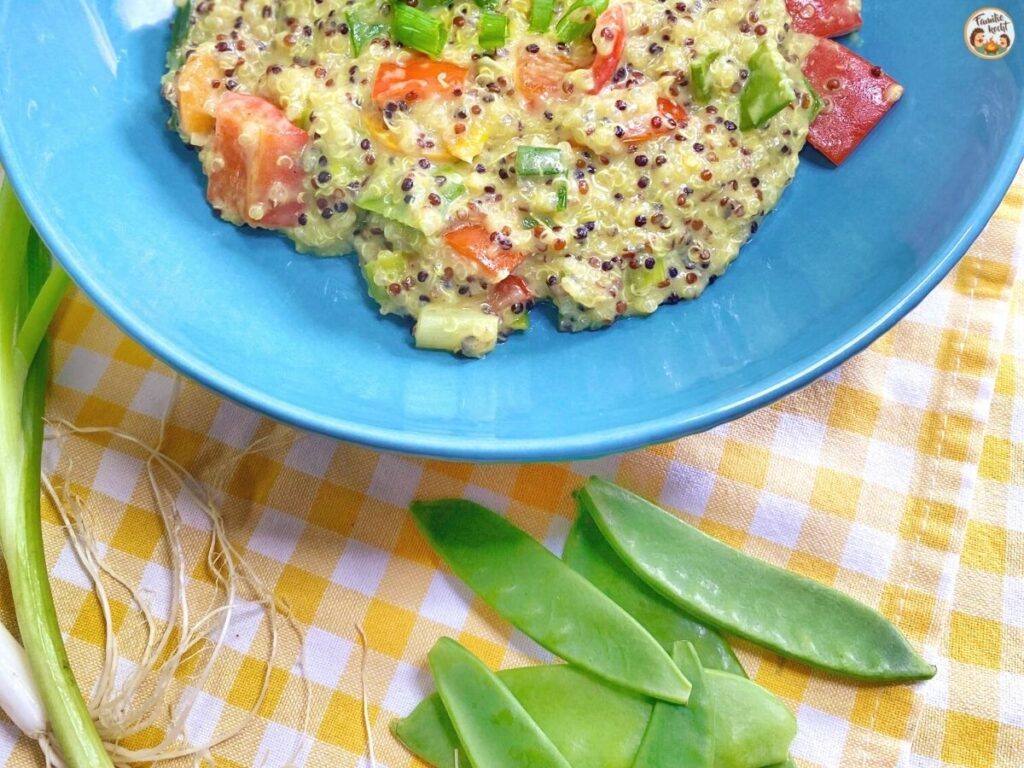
x,y
578,446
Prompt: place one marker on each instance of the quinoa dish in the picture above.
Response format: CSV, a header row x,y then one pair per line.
x,y
606,156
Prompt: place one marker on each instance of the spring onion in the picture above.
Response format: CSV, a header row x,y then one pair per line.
x,y
30,293
418,30
493,30
768,91
539,161
541,13
488,5
362,32
563,196
578,21
699,71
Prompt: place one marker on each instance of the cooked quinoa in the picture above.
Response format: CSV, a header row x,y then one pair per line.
x,y
640,192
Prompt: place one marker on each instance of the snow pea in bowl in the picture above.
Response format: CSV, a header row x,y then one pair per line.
x,y
846,253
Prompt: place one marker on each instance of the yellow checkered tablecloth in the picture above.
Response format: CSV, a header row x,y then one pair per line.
x,y
898,478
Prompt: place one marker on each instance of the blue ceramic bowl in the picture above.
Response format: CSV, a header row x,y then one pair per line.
x,y
847,254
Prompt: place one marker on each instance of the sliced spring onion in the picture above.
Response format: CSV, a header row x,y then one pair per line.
x,y
418,30
540,161
699,71
493,30
563,196
488,5
541,13
578,21
362,32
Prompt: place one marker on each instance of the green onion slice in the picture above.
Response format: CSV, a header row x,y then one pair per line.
x,y
541,13
699,71
362,32
579,20
563,196
493,30
540,161
418,30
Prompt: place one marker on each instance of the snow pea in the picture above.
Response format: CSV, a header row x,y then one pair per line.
x,y
589,721
681,737
593,723
587,553
546,599
493,728
769,606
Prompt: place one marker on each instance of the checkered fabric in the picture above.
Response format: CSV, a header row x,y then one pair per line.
x,y
898,478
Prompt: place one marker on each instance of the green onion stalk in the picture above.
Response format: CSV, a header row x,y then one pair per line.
x,y
30,292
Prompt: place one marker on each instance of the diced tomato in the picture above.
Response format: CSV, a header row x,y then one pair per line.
x,y
825,18
194,86
512,290
418,77
610,40
256,174
473,241
856,95
670,114
539,75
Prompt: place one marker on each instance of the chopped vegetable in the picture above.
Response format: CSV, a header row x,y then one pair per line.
x,y
539,74
196,96
677,736
816,103
610,41
587,553
670,116
856,94
30,292
699,72
362,32
488,5
474,241
257,175
493,728
394,207
546,599
417,29
579,20
541,13
456,329
416,78
563,197
825,18
509,292
493,30
539,161
769,606
596,724
768,90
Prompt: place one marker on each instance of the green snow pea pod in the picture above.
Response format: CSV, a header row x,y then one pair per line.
x,y
769,606
596,724
546,599
677,736
590,722
768,91
587,553
493,727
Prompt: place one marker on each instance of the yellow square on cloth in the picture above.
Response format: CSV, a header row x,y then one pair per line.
x,y
898,478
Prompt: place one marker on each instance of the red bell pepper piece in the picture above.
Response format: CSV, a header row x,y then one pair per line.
x,y
475,242
856,96
610,40
259,178
418,77
825,18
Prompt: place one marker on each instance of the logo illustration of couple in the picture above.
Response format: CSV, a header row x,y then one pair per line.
x,y
989,33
